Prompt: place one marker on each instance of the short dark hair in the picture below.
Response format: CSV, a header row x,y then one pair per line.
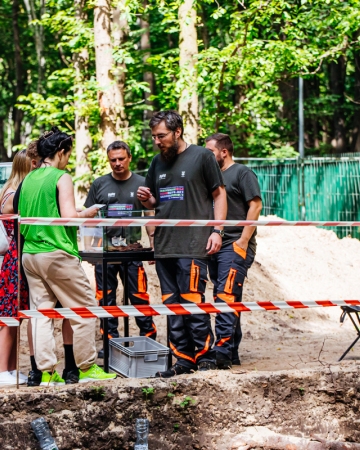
x,y
52,142
119,145
172,120
222,141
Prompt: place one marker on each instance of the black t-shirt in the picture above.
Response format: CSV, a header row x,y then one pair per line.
x,y
183,190
241,185
120,199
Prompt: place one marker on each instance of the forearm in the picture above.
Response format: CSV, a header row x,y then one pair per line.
x,y
252,214
149,203
220,206
150,230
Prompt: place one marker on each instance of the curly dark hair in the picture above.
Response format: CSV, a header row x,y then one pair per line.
x,y
52,142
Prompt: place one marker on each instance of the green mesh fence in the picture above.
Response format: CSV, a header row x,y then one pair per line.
x,y
328,187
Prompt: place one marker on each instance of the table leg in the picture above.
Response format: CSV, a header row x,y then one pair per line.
x,y
106,324
358,333
168,342
126,297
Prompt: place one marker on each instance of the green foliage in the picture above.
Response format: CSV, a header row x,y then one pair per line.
x,y
251,54
148,392
187,402
97,393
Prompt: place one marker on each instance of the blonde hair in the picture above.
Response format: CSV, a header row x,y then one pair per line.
x,y
21,166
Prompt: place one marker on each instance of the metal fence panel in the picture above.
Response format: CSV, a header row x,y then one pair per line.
x,y
331,188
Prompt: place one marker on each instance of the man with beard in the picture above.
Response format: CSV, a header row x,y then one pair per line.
x,y
184,182
228,268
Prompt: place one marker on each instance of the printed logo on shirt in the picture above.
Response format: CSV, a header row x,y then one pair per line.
x,y
183,174
131,194
171,193
162,176
111,194
120,210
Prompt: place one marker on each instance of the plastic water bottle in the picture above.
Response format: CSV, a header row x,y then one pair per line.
x,y
43,434
142,432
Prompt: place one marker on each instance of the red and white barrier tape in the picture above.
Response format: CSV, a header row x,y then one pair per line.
x,y
136,222
179,309
9,322
170,310
8,216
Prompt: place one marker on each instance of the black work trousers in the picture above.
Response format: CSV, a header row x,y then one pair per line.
x,y
228,269
183,280
137,293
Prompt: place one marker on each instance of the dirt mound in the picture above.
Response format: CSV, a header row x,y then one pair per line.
x,y
204,411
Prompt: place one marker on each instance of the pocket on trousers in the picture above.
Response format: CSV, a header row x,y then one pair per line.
x,y
233,283
240,251
198,277
142,280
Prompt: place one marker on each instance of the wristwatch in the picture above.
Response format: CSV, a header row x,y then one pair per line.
x,y
220,232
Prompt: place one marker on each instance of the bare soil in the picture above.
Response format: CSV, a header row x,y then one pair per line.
x,y
204,411
289,379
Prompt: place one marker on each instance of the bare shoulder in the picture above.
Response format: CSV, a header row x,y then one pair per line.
x,y
65,179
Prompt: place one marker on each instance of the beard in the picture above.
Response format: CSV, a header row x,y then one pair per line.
x,y
170,153
221,163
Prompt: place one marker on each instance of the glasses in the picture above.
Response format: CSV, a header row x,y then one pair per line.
x,y
159,136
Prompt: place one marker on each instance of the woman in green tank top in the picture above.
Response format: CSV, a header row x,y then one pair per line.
x,y
51,260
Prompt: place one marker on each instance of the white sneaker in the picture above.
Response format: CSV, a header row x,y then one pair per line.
x,y
21,375
7,379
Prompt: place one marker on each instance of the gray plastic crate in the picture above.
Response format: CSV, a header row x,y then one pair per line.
x,y
141,359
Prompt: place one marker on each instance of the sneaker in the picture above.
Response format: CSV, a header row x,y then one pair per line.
x,y
223,362
101,354
176,369
34,378
236,362
7,379
95,373
206,365
21,375
71,376
48,379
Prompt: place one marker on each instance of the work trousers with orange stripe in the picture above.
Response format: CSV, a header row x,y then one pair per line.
x,y
183,280
228,269
137,294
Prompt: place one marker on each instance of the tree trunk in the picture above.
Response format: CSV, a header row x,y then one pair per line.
x,y
120,31
110,97
19,86
188,104
148,76
39,38
83,141
3,152
355,141
337,87
204,29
